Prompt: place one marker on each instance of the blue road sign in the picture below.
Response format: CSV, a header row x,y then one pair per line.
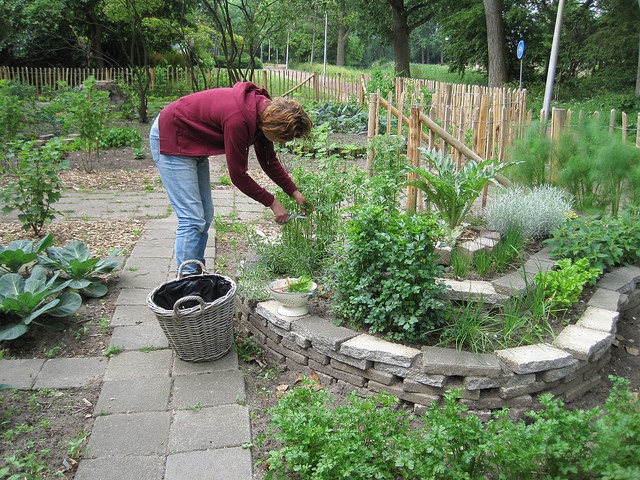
x,y
520,50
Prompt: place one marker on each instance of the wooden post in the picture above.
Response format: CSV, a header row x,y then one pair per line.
x,y
371,129
316,87
400,100
612,120
390,100
413,153
624,127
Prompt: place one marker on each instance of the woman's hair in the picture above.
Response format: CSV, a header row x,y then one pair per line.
x,y
283,120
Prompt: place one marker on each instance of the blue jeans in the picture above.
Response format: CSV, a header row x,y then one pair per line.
x,y
188,185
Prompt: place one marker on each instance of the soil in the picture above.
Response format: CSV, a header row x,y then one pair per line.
x,y
86,333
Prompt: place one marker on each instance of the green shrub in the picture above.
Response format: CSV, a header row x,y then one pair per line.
x,y
33,185
86,114
605,242
120,137
534,212
384,275
12,113
355,440
369,437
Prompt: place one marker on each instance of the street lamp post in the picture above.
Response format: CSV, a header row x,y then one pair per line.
x,y
552,63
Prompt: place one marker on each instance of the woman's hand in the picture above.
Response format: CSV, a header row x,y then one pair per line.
x,y
302,202
280,214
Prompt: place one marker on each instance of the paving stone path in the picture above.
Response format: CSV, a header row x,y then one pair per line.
x,y
157,417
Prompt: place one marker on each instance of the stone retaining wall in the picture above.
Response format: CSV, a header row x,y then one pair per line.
x,y
567,368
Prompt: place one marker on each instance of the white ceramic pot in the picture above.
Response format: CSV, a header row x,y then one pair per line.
x,y
292,304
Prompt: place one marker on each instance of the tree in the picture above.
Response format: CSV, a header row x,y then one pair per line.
x,y
496,43
394,20
244,25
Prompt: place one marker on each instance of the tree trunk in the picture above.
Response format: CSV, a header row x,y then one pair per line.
x,y
638,69
496,43
343,34
342,40
400,38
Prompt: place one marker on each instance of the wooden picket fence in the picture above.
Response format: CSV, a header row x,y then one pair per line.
x,y
277,80
484,120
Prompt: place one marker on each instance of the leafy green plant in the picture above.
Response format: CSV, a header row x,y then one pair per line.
x,y
532,211
305,244
12,116
340,117
357,439
20,253
604,241
564,285
32,185
120,137
384,276
87,110
82,271
369,437
23,301
451,189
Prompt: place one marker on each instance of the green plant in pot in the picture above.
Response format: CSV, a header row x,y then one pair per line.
x,y
293,294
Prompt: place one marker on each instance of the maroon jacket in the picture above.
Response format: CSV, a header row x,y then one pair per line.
x,y
224,120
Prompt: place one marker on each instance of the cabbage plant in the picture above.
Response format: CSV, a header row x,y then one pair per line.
x,y
22,301
75,263
20,253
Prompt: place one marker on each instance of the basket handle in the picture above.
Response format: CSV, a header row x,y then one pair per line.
x,y
187,262
180,301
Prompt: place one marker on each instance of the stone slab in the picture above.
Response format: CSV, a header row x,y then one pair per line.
x,y
147,335
136,364
210,428
20,373
71,372
148,467
129,315
368,347
222,464
208,389
229,361
582,342
534,358
599,319
322,332
474,290
447,361
128,434
140,395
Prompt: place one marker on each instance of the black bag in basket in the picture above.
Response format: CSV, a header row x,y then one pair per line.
x,y
207,287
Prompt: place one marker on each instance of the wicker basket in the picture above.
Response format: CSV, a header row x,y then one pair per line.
x,y
197,330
